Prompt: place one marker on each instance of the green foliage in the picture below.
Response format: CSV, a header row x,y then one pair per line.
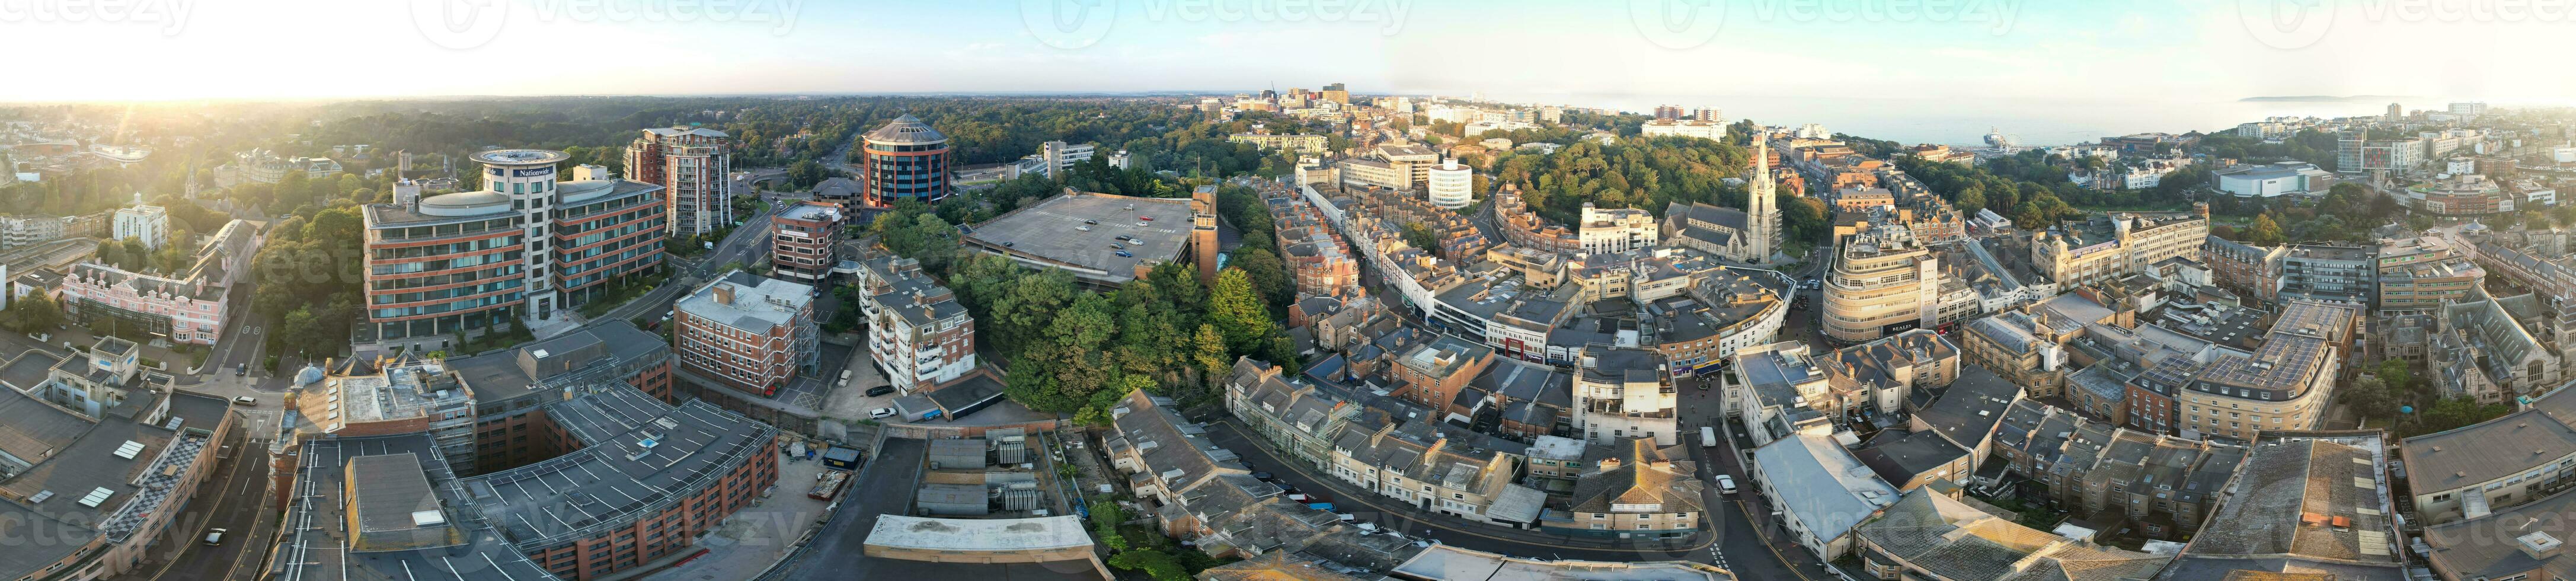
x,y
1420,236
2317,147
1160,565
2264,232
33,313
2369,397
1649,174
1106,515
2451,413
2396,374
2024,188
1268,275
1236,309
1076,351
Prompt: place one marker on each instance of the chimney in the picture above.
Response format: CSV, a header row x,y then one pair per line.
x,y
724,294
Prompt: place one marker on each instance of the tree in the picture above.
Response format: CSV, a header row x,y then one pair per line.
x,y
1207,352
1269,277
1237,311
2395,373
32,314
1971,199
2369,397
2453,413
2265,232
1157,564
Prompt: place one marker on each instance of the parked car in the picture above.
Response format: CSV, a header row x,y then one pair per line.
x,y
1094,222
1083,228
1126,254
1263,476
880,390
1145,218
1725,484
215,536
881,413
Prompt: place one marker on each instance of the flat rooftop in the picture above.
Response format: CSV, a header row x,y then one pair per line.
x,y
950,534
1050,232
1448,562
320,551
759,303
638,454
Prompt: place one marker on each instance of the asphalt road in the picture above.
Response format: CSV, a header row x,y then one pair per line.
x,y
232,499
884,486
1386,513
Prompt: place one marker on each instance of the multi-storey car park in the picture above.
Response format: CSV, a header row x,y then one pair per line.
x,y
521,250
642,480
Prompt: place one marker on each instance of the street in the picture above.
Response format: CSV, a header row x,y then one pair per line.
x,y
233,498
1386,513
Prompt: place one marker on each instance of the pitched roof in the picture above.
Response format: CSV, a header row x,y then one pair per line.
x,y
1644,474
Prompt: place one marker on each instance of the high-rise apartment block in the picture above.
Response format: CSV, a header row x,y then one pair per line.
x,y
693,165
526,246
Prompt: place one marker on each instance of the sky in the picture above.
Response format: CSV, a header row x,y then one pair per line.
x,y
1764,54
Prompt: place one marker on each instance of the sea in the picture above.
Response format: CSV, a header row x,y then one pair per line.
x,y
2034,122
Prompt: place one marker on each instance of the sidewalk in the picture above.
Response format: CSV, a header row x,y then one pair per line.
x,y
1347,492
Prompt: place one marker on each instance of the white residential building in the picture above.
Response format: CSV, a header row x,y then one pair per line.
x,y
1452,185
145,222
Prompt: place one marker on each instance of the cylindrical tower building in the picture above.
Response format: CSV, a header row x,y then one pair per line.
x,y
904,160
1452,185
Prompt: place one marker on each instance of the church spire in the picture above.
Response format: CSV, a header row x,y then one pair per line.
x,y
1762,216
